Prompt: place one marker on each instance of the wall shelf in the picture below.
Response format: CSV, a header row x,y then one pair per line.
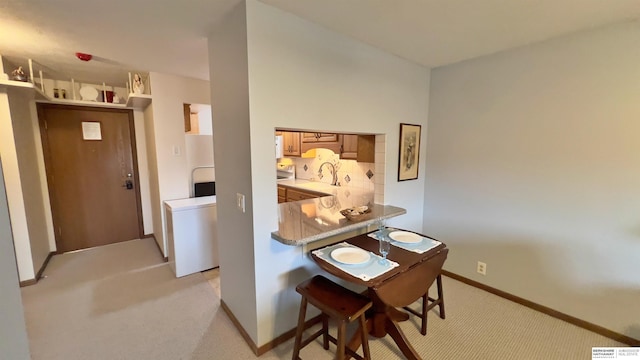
x,y
25,88
135,101
138,101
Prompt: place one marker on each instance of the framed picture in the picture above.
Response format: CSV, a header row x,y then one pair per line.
x,y
409,152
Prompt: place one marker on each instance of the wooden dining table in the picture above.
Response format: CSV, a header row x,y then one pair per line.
x,y
394,289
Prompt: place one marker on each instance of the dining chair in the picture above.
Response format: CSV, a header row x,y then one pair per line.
x,y
429,303
337,303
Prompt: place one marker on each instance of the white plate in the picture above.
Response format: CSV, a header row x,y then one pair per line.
x,y
405,237
89,93
350,255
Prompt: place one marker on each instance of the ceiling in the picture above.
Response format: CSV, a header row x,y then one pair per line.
x,y
170,36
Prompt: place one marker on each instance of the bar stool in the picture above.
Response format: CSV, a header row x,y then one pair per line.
x,y
426,306
337,303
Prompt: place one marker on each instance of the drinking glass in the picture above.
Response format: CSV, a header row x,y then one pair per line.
x,y
385,246
380,225
384,241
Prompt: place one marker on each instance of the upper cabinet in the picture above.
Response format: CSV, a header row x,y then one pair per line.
x,y
329,141
348,146
290,143
358,147
319,137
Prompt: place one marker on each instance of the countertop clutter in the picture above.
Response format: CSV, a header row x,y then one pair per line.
x,y
305,221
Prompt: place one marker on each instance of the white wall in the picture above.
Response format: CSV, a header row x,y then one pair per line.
x,y
13,185
152,163
532,167
232,151
199,152
143,170
169,94
13,332
300,76
26,132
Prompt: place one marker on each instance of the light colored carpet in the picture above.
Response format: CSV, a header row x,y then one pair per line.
x,y
122,302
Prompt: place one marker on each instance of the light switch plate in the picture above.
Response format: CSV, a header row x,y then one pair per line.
x,y
240,201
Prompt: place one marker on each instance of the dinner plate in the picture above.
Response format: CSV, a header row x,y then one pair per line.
x,y
89,93
405,237
350,255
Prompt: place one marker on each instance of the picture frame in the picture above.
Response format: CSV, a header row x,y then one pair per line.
x,y
409,152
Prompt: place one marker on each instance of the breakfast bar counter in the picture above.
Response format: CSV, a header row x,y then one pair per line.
x,y
305,221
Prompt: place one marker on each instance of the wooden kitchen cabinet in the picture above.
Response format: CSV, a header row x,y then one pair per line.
x,y
290,143
358,147
297,195
329,141
282,194
319,137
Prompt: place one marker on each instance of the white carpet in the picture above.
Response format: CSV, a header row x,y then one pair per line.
x,y
122,302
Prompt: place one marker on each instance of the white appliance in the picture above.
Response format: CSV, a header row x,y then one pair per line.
x,y
285,172
191,234
279,150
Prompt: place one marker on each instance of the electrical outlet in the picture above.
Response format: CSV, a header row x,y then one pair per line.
x,y
482,268
240,201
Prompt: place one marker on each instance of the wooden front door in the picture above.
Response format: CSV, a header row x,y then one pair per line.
x,y
92,175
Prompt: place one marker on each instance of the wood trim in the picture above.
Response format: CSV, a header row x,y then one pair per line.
x,y
28,282
548,311
39,273
164,258
44,265
287,335
258,351
236,323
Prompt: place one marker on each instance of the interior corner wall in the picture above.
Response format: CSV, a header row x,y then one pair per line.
x,y
13,184
303,76
532,168
154,187
143,170
13,332
232,155
170,92
33,179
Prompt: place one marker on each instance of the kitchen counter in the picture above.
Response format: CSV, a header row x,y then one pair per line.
x,y
305,221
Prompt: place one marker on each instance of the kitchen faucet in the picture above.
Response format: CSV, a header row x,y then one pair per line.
x,y
334,181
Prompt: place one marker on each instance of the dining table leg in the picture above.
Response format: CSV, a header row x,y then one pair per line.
x,y
398,337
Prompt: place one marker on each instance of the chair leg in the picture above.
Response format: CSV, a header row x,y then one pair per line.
x,y
325,331
440,296
300,329
425,304
365,338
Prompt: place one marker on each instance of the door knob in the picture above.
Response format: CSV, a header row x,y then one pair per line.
x,y
128,184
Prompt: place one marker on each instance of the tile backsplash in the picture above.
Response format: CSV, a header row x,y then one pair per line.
x,y
365,176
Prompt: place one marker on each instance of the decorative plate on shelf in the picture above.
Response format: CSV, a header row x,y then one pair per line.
x,y
355,212
89,93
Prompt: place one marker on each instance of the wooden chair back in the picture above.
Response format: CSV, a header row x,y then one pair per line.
x,y
407,287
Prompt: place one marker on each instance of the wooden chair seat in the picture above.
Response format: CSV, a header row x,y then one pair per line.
x,y
429,303
337,303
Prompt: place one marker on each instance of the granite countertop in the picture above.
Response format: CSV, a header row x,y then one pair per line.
x,y
305,221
